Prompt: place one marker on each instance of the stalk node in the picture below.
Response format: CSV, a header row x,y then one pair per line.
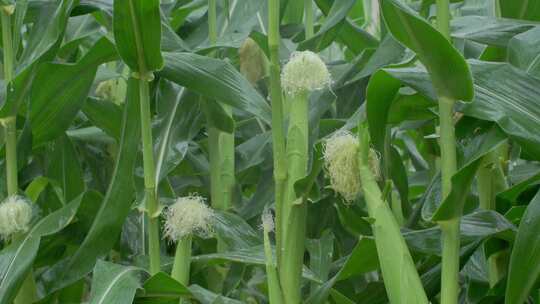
x,y
148,76
7,122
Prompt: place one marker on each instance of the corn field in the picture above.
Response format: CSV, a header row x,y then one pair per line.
x,y
270,151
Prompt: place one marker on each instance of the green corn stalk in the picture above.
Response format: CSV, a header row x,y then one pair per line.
x,y
28,291
401,279
221,144
221,155
149,177
10,129
450,228
9,122
213,133
226,144
151,196
7,40
278,139
182,262
295,209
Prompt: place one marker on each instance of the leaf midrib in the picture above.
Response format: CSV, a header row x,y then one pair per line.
x,y
165,142
116,279
138,39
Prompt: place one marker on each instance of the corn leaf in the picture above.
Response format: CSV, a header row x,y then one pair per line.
x,y
447,67
521,9
215,79
115,206
60,90
137,33
114,283
330,29
525,258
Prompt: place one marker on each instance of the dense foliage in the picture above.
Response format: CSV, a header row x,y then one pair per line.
x,y
267,151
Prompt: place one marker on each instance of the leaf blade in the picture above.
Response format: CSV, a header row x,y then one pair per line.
x,y
448,69
115,206
525,259
137,32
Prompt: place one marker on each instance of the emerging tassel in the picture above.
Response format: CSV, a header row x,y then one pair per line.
x,y
15,216
188,216
305,72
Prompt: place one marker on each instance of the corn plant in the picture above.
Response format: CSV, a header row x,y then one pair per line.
x,y
270,151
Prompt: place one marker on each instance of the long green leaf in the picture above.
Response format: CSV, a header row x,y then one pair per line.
x,y
115,207
335,18
503,94
104,115
46,34
59,91
354,37
508,97
114,283
20,11
65,168
205,296
250,256
487,30
162,286
525,258
180,120
321,252
447,67
524,50
474,228
43,42
381,92
521,9
137,32
362,259
215,79
235,232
